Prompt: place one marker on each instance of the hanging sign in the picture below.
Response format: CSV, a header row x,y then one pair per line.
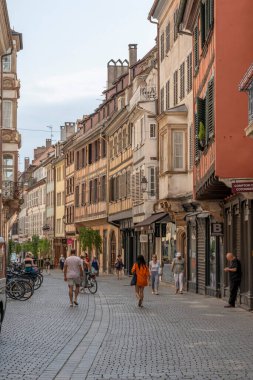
x,y
217,229
143,238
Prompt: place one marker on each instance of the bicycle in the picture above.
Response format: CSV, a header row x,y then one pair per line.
x,y
90,283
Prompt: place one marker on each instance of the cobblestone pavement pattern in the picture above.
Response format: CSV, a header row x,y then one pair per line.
x,y
108,337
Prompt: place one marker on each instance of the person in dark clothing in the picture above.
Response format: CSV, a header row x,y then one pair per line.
x,y
235,275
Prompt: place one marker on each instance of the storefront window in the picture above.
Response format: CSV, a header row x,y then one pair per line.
x,y
192,253
212,262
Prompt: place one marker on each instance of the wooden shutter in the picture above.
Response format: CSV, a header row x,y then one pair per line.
x,y
211,13
202,24
162,46
182,81
175,88
162,100
189,73
128,183
196,47
210,109
168,37
168,95
201,110
196,128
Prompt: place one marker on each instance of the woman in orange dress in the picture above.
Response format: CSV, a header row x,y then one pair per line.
x,y
142,273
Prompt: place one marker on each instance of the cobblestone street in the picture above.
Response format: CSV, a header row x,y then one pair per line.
x,y
108,337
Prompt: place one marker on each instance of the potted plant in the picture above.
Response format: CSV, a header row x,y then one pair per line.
x,y
202,135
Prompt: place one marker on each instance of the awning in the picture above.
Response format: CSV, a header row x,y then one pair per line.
x,y
154,218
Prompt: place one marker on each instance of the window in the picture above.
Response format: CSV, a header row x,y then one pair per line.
x,y
175,25
175,87
111,148
167,95
209,111
182,81
206,19
7,64
162,46
124,138
8,167
189,73
163,153
142,130
90,191
58,199
196,47
129,134
115,146
7,114
83,158
120,142
96,149
77,160
95,198
103,147
152,130
168,37
178,150
58,226
152,181
191,142
162,100
83,194
103,189
90,153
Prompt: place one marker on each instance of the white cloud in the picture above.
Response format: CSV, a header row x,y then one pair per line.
x,y
63,88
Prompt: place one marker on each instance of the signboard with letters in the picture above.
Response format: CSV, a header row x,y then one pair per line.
x,y
217,229
242,187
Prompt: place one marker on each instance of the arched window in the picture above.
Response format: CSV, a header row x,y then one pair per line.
x,y
8,167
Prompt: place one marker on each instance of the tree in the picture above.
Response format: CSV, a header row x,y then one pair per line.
x,y
35,245
44,246
89,239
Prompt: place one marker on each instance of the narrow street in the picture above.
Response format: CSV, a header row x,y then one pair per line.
x,y
108,337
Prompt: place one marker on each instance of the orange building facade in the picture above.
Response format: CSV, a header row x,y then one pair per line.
x,y
222,219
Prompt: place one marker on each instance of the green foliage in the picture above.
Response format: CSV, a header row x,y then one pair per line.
x,y
44,246
35,246
202,132
89,239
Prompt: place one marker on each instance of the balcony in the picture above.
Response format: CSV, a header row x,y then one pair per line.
x,y
143,94
11,190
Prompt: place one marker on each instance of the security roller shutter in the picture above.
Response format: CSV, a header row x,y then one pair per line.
x,y
201,252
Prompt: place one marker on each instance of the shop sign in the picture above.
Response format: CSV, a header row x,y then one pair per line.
x,y
242,187
143,238
217,229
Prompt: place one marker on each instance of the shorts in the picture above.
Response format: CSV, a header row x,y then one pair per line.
x,y
74,281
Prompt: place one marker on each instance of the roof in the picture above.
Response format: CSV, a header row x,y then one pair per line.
x,y
152,219
247,79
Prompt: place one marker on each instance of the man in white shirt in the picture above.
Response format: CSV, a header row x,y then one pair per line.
x,y
73,271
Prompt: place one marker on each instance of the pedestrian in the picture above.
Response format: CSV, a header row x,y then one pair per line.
x,y
178,270
119,265
95,266
142,273
154,270
235,274
29,263
62,261
73,271
47,264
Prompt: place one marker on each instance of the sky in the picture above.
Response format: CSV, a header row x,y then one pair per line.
x,y
66,47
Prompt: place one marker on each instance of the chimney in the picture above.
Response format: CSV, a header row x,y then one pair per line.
x,y
48,143
111,72
132,54
27,163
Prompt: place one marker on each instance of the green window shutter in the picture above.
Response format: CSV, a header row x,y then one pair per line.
x,y
196,129
201,110
211,14
210,109
202,24
207,114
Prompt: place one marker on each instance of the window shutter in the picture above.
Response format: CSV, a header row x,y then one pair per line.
x,y
196,48
202,23
175,25
168,37
162,100
211,13
157,182
168,95
189,73
128,183
196,128
162,46
175,88
191,142
210,109
201,110
182,81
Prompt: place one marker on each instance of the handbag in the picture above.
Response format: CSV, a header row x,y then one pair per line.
x,y
134,279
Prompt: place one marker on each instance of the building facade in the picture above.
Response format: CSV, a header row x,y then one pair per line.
x,y
222,153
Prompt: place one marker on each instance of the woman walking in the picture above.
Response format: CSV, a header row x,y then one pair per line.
x,y
119,265
154,270
178,270
142,272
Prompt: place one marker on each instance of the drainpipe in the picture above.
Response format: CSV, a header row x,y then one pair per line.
x,y
1,139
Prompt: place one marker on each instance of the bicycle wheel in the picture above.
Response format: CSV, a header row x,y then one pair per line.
x,y
92,285
28,291
16,290
37,282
